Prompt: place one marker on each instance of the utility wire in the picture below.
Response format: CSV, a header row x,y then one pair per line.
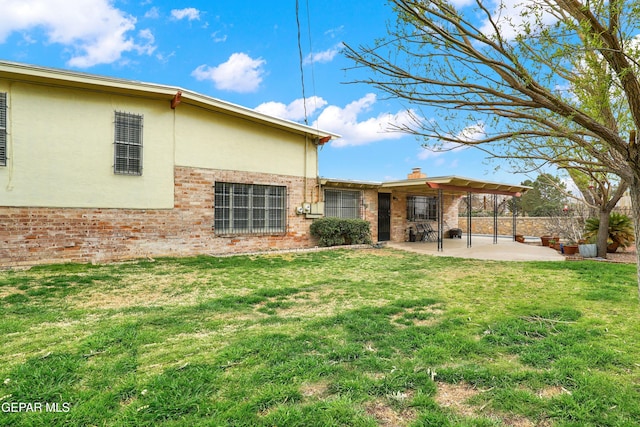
x,y
304,97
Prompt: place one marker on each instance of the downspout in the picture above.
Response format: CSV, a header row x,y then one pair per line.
x,y
320,143
306,159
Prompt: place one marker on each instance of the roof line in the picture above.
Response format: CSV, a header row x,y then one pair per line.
x,y
45,73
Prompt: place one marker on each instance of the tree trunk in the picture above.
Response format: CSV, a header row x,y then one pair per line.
x,y
634,189
603,233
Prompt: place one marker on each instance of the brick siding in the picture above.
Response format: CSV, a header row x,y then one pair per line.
x,y
399,223
35,235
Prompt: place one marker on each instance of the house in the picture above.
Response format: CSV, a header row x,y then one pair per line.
x,y
95,168
395,207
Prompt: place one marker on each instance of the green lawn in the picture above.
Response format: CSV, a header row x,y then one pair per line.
x,y
347,337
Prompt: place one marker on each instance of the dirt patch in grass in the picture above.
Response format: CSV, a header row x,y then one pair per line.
x,y
147,290
322,301
391,253
456,397
550,392
316,390
5,292
385,415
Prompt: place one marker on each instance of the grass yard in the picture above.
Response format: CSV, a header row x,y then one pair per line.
x,y
335,338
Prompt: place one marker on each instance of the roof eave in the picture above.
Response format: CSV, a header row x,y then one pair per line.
x,y
66,78
458,184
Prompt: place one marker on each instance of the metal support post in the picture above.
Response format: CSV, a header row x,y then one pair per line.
x,y
514,212
469,219
440,220
495,219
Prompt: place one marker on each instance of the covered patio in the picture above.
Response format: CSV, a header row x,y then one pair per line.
x,y
445,193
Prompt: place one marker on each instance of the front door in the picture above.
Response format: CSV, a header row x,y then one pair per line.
x,y
384,217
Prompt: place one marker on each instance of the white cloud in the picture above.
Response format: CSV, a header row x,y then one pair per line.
x,y
344,121
471,133
240,73
219,38
512,16
324,56
294,111
94,30
189,13
333,32
459,4
153,13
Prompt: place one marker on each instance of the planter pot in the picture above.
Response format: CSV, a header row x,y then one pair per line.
x,y
612,247
588,250
519,238
556,246
570,249
545,240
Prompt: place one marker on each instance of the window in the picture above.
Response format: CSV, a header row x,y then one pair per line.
x,y
3,129
247,208
342,204
422,208
128,144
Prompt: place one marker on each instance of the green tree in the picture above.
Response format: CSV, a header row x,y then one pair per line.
x,y
547,196
558,73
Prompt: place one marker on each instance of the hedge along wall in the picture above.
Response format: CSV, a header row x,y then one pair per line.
x,y
528,226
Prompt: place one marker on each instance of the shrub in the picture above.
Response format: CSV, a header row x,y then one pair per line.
x,y
620,229
340,231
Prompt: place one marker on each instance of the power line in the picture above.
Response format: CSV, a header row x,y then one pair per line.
x,y
304,97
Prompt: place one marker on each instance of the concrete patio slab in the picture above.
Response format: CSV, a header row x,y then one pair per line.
x,y
482,248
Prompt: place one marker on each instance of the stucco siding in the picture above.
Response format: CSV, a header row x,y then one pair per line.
x,y
220,141
60,150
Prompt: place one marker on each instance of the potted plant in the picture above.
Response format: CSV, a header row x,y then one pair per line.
x,y
545,240
588,248
570,248
620,231
554,243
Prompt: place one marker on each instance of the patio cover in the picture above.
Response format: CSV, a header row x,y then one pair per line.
x,y
442,185
458,184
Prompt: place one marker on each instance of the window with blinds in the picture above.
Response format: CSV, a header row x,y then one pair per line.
x,y
422,208
249,208
3,129
342,204
128,144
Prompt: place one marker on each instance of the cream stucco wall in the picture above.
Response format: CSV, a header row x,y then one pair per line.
x,y
60,150
221,141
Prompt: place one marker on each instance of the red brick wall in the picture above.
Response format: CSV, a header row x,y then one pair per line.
x,y
46,235
399,223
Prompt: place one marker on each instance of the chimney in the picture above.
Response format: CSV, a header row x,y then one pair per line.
x,y
416,174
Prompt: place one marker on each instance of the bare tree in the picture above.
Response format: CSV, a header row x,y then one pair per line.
x,y
550,70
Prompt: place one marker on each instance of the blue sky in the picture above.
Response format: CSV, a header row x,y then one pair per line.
x,y
245,52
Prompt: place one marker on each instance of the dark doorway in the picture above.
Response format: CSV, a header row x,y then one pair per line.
x,y
384,217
